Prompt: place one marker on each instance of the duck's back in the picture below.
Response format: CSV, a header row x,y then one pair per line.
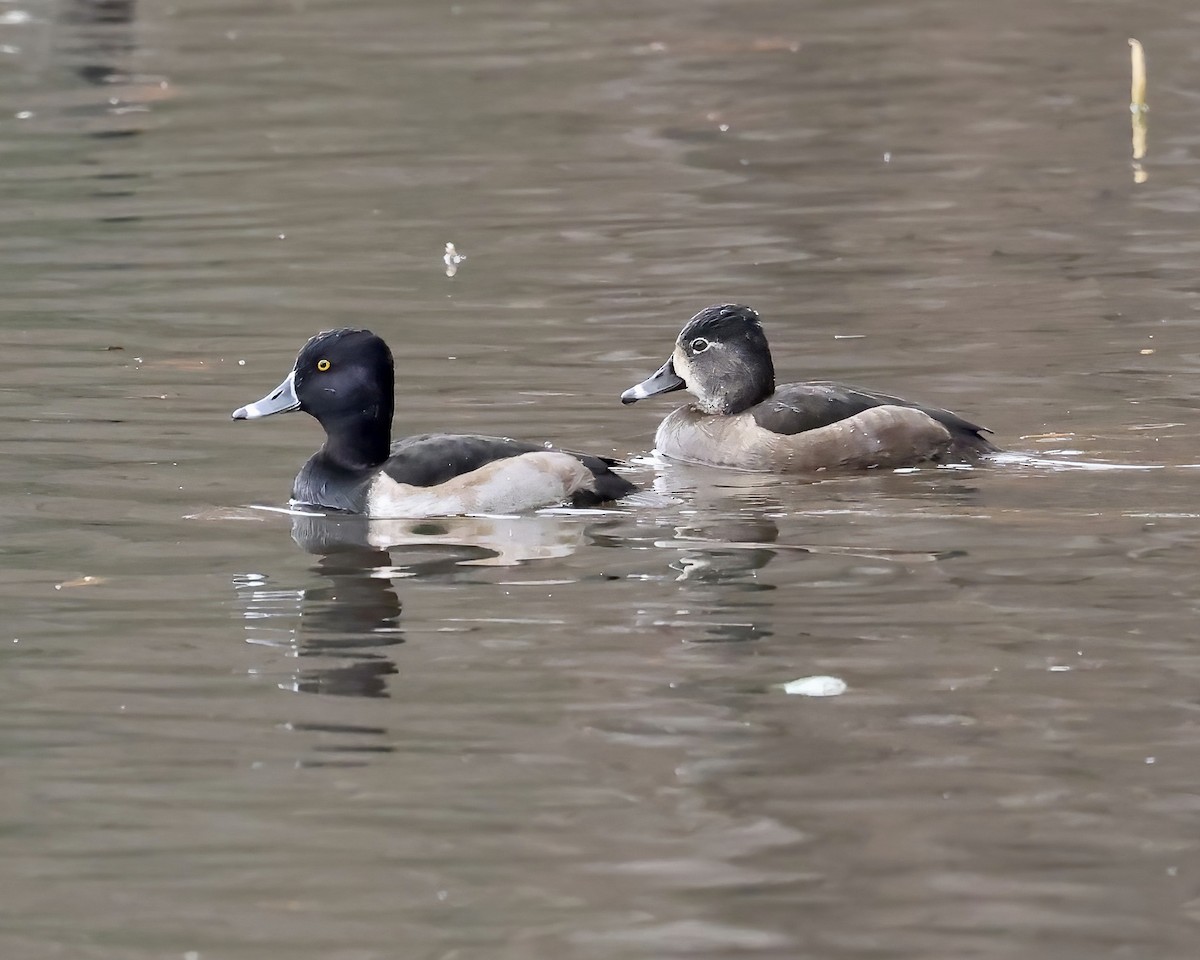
x,y
432,458
428,459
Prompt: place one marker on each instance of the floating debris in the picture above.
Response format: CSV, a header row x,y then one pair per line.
x,y
81,582
818,686
1138,108
452,259
1137,89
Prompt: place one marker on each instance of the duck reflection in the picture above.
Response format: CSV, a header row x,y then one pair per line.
x,y
435,546
96,41
732,536
729,550
348,627
720,598
712,486
355,618
99,35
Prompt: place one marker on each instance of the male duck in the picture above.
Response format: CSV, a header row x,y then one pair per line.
x,y
741,419
345,378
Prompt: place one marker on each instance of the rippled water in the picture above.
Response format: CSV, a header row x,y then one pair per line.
x,y
230,733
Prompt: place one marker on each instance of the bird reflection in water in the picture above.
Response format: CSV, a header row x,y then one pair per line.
x,y
719,555
440,546
349,626
345,626
715,565
81,65
98,36
730,550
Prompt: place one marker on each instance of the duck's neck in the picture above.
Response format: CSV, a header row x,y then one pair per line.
x,y
359,441
732,396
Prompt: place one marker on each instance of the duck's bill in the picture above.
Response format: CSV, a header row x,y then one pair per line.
x,y
280,400
665,380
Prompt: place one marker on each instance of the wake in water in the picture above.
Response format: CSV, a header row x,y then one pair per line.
x,y
1007,458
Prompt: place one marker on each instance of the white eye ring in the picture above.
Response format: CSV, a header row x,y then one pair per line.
x,y
699,345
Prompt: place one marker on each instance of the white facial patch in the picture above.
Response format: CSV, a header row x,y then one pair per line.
x,y
706,401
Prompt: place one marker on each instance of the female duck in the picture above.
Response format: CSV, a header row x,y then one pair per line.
x,y
345,378
740,418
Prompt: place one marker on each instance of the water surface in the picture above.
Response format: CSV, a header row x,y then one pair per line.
x,y
229,733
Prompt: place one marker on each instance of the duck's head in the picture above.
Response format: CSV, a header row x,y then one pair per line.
x,y
721,357
339,376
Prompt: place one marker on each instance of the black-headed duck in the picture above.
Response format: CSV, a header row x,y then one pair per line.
x,y
345,379
742,419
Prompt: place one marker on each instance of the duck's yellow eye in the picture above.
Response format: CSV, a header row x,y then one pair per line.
x,y
322,365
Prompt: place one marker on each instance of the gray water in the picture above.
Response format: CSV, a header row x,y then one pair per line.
x,y
230,734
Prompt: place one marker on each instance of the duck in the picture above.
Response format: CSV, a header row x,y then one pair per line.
x,y
742,420
345,379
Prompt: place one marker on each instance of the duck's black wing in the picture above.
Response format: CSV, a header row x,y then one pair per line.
x,y
432,458
798,407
